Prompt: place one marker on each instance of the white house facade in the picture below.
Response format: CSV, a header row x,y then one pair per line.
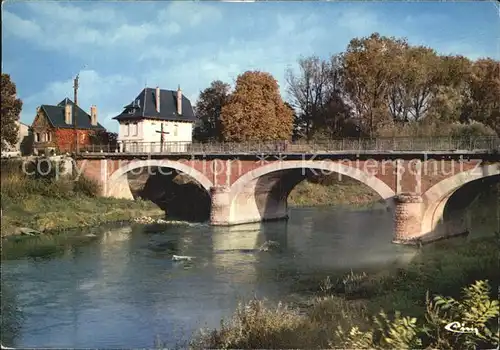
x,y
157,120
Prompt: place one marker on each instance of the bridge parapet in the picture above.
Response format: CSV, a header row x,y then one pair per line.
x,y
360,145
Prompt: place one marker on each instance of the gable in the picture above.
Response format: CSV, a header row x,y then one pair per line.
x,y
41,121
55,116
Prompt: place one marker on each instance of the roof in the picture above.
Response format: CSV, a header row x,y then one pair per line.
x,y
55,114
144,106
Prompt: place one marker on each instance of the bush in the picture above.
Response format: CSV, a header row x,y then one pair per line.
x,y
39,177
474,129
87,187
475,310
426,128
255,326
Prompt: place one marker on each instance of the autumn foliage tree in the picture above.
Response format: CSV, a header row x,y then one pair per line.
x,y
255,110
482,96
208,111
11,109
384,86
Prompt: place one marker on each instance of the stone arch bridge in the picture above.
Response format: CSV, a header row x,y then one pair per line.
x,y
254,187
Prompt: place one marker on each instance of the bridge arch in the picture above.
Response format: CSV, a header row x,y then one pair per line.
x,y
436,198
117,183
245,206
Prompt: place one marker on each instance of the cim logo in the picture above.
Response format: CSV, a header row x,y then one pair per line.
x,y
457,327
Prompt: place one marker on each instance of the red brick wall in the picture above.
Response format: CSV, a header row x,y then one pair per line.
x,y
431,173
65,139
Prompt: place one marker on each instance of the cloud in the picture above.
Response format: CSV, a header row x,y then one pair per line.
x,y
189,43
94,89
227,60
68,28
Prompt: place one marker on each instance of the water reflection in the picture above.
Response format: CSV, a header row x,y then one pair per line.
x,y
122,288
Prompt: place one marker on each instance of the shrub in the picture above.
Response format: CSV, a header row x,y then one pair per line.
x,y
474,129
255,326
475,310
86,186
39,178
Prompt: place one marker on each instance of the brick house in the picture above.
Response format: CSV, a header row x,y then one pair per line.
x,y
54,129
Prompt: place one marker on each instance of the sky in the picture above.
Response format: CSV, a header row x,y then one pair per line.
x,y
118,47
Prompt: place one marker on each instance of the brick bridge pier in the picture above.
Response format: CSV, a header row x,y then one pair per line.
x,y
248,188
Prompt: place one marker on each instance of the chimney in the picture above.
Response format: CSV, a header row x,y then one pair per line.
x,y
157,99
68,114
93,115
179,100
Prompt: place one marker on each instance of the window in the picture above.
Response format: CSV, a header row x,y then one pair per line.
x,y
126,129
49,136
176,130
37,137
134,129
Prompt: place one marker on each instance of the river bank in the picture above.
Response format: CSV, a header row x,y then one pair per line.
x,y
405,300
332,190
48,203
128,271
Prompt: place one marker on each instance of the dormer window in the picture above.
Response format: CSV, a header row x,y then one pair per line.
x,y
138,103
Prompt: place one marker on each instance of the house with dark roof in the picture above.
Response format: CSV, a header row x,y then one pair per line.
x,y
56,127
156,120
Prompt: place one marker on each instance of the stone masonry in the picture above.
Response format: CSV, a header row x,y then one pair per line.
x,y
249,190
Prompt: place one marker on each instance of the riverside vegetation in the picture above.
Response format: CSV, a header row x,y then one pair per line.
x,y
46,203
348,311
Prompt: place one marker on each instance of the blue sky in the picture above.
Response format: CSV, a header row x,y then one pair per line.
x,y
119,46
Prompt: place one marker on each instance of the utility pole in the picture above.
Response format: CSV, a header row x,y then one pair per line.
x,y
75,88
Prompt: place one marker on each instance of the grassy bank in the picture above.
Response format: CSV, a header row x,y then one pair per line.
x,y
352,301
47,203
330,190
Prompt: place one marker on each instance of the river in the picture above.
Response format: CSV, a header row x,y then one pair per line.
x,y
122,289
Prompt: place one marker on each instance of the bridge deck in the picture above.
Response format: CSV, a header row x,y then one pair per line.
x,y
270,156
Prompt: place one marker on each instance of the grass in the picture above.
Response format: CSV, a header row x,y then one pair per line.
x,y
47,214
47,203
330,190
353,299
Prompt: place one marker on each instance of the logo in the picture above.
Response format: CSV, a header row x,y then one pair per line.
x,y
457,327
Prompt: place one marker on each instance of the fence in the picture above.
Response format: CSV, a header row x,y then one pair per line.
x,y
398,144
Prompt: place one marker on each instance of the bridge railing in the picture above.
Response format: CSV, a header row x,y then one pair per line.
x,y
387,144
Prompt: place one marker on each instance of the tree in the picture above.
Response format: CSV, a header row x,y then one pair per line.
x,y
11,109
104,138
310,89
482,101
418,77
255,110
208,110
368,71
449,98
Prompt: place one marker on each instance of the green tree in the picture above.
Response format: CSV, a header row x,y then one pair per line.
x,y
418,76
255,110
451,91
208,110
11,109
104,138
